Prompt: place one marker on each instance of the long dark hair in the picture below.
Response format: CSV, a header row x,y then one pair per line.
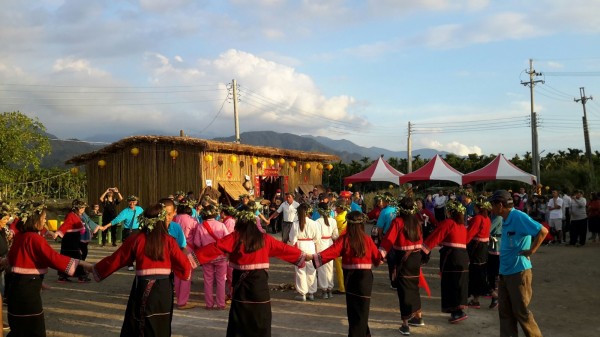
x,y
355,233
412,229
302,213
155,236
250,236
323,209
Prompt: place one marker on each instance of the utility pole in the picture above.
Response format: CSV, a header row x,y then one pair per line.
x,y
409,150
535,154
586,134
235,111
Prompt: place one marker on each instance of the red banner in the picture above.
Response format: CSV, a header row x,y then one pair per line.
x,y
270,172
256,186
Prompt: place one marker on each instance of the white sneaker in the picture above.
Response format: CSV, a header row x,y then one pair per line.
x,y
300,298
130,268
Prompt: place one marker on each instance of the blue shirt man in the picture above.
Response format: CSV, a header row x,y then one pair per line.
x,y
176,232
521,237
517,230
129,217
387,215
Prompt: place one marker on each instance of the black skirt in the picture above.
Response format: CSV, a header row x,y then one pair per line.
x,y
454,265
69,246
25,312
359,283
407,280
478,256
250,312
149,308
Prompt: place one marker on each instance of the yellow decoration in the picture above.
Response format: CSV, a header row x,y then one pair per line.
x,y
74,170
329,167
293,164
271,162
319,166
281,161
233,158
208,158
391,186
101,163
349,185
547,188
307,166
254,160
135,151
174,154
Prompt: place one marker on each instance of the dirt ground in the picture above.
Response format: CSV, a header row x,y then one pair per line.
x,y
565,303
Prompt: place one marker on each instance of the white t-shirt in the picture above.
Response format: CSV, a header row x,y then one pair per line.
x,y
555,213
290,212
439,200
566,200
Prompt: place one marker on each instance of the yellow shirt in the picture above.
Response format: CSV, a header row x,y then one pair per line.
x,y
340,218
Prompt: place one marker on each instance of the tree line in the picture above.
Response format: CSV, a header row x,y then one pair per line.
x,y
23,144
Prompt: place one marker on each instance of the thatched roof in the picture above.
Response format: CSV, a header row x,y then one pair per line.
x,y
204,145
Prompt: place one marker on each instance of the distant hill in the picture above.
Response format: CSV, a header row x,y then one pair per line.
x,y
345,149
62,150
372,152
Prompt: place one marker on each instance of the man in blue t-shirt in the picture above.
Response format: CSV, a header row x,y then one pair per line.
x,y
384,222
521,237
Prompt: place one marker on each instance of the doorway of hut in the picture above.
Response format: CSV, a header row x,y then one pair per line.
x,y
269,186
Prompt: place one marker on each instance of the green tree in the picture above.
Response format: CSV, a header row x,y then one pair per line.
x,y
23,143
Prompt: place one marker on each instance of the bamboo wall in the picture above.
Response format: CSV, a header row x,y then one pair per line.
x,y
153,174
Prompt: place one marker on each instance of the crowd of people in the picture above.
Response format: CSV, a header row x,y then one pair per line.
x,y
485,241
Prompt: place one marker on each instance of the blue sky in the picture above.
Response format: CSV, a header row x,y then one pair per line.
x,y
356,70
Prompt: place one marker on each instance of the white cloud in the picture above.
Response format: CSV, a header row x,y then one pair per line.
x,y
273,34
453,147
496,27
81,66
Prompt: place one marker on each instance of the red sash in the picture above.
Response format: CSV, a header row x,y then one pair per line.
x,y
209,230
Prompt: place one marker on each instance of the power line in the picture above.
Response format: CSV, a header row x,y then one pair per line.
x,y
562,93
572,73
111,103
110,87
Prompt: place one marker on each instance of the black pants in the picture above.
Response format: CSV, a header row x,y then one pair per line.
x,y
440,213
83,247
578,231
113,235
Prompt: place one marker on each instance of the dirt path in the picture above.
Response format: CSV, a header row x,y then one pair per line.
x,y
565,303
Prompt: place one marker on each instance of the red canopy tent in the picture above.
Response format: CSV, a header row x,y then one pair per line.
x,y
435,169
499,169
380,170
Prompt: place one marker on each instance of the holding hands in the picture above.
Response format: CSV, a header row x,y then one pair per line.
x,y
86,266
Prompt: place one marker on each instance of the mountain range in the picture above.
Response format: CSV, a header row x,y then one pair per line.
x,y
62,150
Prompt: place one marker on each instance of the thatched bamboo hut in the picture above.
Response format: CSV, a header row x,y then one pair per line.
x,y
153,167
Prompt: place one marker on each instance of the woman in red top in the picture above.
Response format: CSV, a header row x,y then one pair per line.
x,y
478,237
156,254
405,237
359,253
29,258
249,251
451,234
70,233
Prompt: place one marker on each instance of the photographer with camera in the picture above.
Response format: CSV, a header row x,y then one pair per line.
x,y
109,201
